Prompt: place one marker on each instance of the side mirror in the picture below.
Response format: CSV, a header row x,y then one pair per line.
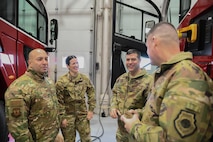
x,y
148,26
53,30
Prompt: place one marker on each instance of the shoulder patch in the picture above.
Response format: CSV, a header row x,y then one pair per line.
x,y
16,108
185,123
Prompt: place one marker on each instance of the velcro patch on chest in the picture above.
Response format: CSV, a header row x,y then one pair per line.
x,y
16,112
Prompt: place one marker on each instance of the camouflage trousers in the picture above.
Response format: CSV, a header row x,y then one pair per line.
x,y
77,123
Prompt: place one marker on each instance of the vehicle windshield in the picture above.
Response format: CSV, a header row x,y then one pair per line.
x,y
177,10
32,18
131,16
28,15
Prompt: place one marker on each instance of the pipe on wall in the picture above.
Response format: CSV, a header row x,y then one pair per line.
x,y
106,48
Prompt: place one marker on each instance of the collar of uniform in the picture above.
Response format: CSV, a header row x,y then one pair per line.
x,y
74,78
142,72
35,75
177,58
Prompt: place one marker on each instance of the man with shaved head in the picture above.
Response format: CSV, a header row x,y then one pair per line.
x,y
180,105
31,103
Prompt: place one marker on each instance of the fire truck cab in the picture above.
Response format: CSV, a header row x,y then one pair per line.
x,y
23,27
195,32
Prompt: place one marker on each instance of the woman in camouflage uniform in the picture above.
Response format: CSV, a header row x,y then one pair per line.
x,y
71,90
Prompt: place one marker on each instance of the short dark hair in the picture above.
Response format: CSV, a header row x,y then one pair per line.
x,y
131,51
153,29
70,58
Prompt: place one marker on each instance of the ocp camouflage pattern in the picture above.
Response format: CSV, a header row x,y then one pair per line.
x,y
180,106
72,94
32,108
130,93
76,97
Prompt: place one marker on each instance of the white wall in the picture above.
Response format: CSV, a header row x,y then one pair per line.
x,y
74,38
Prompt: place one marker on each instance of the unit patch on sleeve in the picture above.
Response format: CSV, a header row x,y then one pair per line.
x,y
185,123
16,108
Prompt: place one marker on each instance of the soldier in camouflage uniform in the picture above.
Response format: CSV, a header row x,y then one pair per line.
x,y
129,92
32,104
71,90
180,106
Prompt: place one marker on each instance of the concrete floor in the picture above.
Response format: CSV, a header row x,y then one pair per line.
x,y
108,130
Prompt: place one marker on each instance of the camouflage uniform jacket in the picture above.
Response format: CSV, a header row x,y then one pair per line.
x,y
179,108
71,94
131,92
32,108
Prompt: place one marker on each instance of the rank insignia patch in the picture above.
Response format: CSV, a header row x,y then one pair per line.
x,y
16,112
185,123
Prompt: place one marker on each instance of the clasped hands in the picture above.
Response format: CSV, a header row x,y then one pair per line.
x,y
128,118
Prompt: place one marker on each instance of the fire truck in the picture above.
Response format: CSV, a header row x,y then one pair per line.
x,y
23,27
195,30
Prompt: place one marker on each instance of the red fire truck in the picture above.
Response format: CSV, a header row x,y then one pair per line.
x,y
196,30
23,27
